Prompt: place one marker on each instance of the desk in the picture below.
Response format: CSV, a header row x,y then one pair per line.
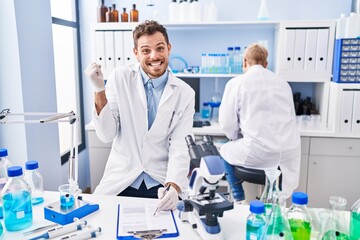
x,y
232,223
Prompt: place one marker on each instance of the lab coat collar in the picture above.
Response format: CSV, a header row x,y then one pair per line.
x,y
157,82
254,68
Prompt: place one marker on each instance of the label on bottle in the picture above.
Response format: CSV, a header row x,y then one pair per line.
x,y
20,215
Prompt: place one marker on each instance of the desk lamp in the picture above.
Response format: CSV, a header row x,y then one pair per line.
x,y
61,211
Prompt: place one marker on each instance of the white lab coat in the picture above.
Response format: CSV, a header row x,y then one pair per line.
x,y
160,151
259,106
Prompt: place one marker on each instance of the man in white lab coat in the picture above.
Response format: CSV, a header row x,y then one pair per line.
x,y
257,114
147,112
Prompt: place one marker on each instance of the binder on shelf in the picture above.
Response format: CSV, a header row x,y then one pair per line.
x,y
355,127
310,49
288,58
346,111
109,50
119,48
100,47
128,47
299,54
138,220
322,49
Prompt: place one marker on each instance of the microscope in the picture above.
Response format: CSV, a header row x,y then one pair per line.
x,y
203,205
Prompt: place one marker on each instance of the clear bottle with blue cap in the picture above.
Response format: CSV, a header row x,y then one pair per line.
x,y
35,181
299,217
256,221
16,196
4,165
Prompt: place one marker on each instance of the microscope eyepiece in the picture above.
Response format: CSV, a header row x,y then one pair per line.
x,y
207,140
189,140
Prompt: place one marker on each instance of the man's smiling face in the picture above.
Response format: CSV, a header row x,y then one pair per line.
x,y
153,54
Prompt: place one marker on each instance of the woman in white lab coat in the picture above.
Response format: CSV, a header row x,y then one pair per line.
x,y
160,151
257,114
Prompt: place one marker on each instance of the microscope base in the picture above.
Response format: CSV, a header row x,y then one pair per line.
x,y
55,213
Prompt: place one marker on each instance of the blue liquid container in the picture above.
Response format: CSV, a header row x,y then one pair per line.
x,y
67,200
17,207
35,181
256,221
205,111
4,164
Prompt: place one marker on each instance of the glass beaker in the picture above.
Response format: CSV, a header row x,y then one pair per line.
x,y
278,226
67,198
336,227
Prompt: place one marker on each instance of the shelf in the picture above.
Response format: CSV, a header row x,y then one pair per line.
x,y
201,75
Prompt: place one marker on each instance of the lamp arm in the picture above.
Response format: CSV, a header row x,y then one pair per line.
x,y
73,119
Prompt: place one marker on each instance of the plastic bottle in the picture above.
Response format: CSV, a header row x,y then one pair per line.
x,y
109,15
184,11
214,103
263,13
299,217
256,221
336,227
237,60
355,221
4,165
102,9
115,13
205,111
230,59
340,26
352,26
124,16
212,14
195,11
16,198
174,12
134,14
35,181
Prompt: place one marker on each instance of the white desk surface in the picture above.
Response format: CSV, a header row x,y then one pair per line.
x,y
232,223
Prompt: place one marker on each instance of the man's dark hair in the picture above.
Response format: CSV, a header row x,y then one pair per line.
x,y
149,28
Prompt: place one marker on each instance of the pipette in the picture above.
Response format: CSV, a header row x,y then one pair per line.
x,y
60,230
84,234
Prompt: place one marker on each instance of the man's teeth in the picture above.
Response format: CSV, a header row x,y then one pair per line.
x,y
155,64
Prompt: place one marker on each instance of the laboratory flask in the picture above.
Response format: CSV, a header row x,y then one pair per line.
x,y
355,221
35,181
256,221
299,217
4,165
277,226
16,198
269,189
214,103
336,227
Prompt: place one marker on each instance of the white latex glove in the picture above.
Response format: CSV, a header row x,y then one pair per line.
x,y
168,201
93,71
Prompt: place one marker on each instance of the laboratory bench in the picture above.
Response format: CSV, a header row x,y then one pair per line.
x,y
329,163
233,222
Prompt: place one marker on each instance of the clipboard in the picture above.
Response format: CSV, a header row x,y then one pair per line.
x,y
134,218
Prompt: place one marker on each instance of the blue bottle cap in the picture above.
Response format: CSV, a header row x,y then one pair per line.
x,y
257,207
205,104
31,165
230,49
299,198
3,152
237,48
214,104
14,171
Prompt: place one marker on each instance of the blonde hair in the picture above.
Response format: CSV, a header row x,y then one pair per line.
x,y
256,54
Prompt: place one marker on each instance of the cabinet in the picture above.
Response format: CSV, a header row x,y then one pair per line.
x,y
334,165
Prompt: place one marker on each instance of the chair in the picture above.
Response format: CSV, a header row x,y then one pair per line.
x,y
255,176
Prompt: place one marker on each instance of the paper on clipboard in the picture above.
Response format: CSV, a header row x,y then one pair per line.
x,y
140,217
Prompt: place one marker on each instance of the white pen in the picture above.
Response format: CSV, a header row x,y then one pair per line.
x,y
85,234
60,230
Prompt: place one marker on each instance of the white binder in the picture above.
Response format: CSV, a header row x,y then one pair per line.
x,y
128,47
322,49
299,55
346,111
310,49
119,48
100,47
288,57
355,126
109,50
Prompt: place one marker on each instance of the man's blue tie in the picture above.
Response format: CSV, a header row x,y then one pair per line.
x,y
151,105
